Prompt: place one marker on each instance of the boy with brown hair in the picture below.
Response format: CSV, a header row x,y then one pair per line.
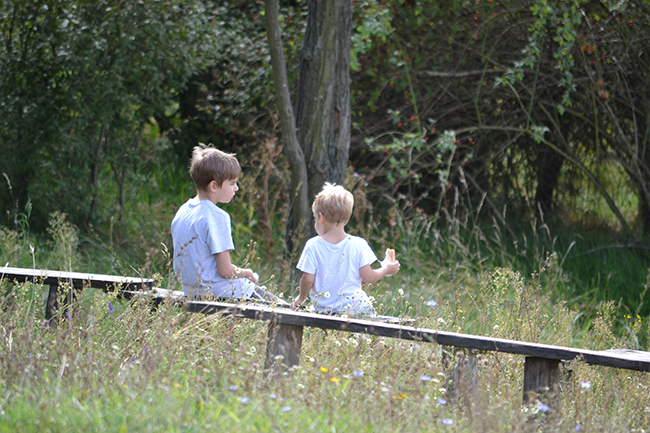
x,y
202,233
335,263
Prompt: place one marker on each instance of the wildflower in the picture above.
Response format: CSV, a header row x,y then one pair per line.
x,y
447,421
425,378
326,295
110,307
393,223
334,379
401,292
543,407
233,388
244,400
324,369
431,303
355,174
577,427
286,409
272,395
442,401
585,385
357,373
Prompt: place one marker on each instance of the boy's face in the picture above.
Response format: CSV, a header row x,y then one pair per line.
x,y
226,192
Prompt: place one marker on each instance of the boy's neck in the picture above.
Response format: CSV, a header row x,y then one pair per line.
x,y
204,195
333,233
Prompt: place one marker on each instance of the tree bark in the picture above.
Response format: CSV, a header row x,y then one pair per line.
x,y
323,100
300,213
317,140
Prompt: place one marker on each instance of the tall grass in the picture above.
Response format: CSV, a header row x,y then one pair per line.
x,y
123,367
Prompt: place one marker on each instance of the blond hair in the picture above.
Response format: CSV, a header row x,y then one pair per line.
x,y
335,203
210,164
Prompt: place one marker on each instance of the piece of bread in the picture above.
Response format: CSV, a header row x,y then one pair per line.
x,y
390,255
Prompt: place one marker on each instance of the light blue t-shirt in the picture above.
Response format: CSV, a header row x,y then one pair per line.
x,y
337,283
200,231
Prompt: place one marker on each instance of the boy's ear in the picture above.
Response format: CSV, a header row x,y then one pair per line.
x,y
321,218
212,186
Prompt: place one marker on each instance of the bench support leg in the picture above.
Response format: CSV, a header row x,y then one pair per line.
x,y
283,346
461,366
52,306
542,381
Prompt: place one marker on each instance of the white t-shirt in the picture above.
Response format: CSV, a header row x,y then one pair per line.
x,y
200,231
337,284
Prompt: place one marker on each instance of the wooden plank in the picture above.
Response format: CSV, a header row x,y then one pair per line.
x,y
52,306
76,279
461,369
637,361
542,381
283,346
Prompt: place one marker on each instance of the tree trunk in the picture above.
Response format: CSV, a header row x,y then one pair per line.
x,y
549,169
318,149
300,213
323,100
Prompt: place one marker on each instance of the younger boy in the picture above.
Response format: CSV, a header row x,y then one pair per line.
x,y
334,263
202,233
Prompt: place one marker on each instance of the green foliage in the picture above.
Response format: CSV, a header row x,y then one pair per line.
x,y
81,80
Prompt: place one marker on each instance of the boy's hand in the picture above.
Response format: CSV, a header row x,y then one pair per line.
x,y
296,303
391,268
390,264
247,273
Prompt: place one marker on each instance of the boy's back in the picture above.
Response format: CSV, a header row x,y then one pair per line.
x,y
337,284
201,230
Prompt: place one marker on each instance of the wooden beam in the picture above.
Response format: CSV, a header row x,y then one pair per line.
x,y
461,369
52,306
632,360
283,346
542,381
76,279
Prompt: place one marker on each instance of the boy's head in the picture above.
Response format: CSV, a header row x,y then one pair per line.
x,y
210,164
335,203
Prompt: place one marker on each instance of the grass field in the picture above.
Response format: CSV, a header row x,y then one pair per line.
x,y
122,367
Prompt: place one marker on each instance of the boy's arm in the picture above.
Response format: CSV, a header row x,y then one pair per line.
x,y
227,270
369,275
306,283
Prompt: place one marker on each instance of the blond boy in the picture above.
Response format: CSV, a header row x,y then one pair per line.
x,y
202,234
334,263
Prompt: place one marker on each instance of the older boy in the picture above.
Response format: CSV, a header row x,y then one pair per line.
x,y
202,233
334,263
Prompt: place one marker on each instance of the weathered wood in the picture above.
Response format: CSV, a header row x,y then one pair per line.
x,y
542,381
633,361
75,279
52,305
461,369
283,346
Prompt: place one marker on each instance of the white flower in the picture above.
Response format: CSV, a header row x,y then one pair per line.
x,y
401,292
326,295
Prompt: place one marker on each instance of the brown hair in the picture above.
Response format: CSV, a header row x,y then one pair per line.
x,y
210,164
335,203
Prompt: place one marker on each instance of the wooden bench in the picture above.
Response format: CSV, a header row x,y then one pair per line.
x,y
73,282
542,367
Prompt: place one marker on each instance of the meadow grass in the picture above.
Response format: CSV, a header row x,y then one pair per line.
x,y
118,366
